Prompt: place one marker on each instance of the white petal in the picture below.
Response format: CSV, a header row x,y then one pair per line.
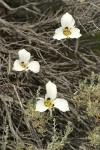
x,y
59,34
61,104
51,90
17,66
24,56
67,21
34,66
75,33
40,106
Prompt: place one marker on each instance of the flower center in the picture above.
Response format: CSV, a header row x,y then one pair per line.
x,y
66,31
48,103
24,65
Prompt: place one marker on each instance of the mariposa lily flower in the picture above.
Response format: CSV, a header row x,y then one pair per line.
x,y
67,29
24,63
50,101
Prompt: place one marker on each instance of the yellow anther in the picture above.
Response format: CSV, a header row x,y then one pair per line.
x,y
24,65
48,103
66,31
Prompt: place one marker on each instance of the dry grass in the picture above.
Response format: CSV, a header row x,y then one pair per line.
x,y
30,24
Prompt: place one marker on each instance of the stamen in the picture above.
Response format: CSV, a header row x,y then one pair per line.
x,y
48,103
24,65
66,31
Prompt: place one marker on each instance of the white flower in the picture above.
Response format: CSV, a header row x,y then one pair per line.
x,y
67,29
51,101
23,63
